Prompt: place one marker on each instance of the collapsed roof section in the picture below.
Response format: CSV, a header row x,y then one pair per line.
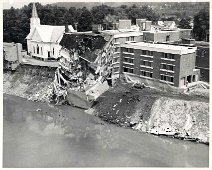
x,y
87,45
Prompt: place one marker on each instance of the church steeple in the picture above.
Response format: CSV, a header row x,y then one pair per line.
x,y
34,11
34,20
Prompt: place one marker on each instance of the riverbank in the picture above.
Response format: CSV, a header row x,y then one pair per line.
x,y
153,111
147,110
29,82
32,137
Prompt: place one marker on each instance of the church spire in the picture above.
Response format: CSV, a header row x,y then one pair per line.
x,y
34,11
34,20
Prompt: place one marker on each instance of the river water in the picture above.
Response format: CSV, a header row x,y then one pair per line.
x,y
31,139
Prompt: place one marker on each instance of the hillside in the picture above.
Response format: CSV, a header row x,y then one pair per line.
x,y
167,8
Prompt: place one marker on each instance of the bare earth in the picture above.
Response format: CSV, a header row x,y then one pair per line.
x,y
126,106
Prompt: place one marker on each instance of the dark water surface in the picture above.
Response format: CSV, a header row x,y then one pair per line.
x,y
33,140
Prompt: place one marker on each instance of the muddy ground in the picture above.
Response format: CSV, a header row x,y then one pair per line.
x,y
126,106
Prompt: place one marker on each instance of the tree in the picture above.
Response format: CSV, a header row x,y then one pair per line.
x,y
184,23
121,12
71,16
10,25
85,21
134,12
100,12
201,25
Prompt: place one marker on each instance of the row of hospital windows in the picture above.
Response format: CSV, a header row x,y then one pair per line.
x,y
150,64
167,78
163,65
149,53
40,50
149,74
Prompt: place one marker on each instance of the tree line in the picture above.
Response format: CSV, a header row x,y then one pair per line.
x,y
16,22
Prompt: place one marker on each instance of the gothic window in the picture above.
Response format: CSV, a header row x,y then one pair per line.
x,y
168,38
53,51
37,49
49,54
34,49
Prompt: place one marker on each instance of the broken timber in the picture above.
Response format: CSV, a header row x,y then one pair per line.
x,y
84,66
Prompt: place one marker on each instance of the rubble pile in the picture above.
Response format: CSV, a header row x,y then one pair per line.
x,y
69,75
44,95
86,67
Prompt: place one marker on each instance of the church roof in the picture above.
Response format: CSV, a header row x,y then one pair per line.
x,y
47,33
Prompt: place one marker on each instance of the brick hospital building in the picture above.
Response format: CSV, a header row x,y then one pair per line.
x,y
162,63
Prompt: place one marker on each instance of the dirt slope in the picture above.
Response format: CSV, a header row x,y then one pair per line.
x,y
147,108
28,81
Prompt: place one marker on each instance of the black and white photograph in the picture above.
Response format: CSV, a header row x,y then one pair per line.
x,y
105,83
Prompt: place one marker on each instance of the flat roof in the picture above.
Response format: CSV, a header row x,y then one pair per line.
x,y
125,20
127,34
123,33
161,31
165,48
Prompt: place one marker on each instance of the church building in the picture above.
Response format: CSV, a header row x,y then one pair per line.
x,y
43,40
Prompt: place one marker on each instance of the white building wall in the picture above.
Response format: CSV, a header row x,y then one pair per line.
x,y
29,47
43,49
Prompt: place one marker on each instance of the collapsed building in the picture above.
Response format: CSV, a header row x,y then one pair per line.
x,y
84,71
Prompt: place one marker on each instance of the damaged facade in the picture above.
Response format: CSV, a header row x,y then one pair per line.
x,y
84,66
96,55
